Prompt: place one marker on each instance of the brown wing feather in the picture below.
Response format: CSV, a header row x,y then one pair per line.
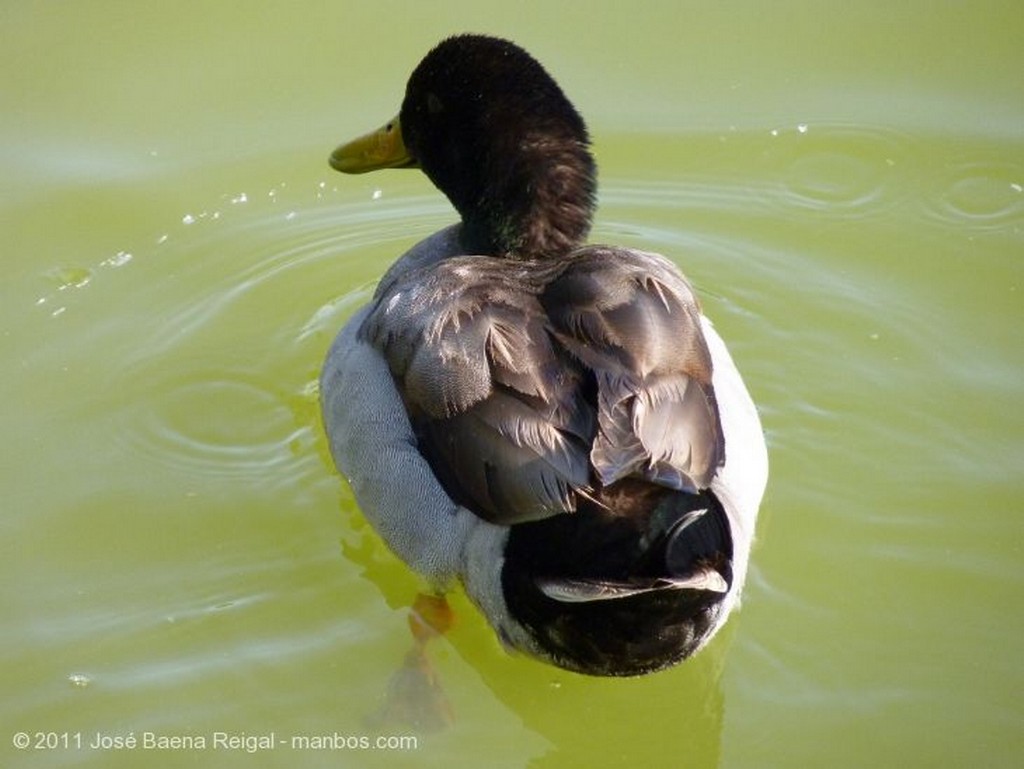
x,y
632,319
496,405
528,383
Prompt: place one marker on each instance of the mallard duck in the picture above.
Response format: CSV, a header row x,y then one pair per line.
x,y
554,424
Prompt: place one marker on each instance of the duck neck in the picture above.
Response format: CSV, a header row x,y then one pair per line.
x,y
539,202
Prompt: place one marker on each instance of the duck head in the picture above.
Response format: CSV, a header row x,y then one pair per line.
x,y
494,132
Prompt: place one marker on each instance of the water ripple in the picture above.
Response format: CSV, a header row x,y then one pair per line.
x,y
845,170
979,193
213,421
218,380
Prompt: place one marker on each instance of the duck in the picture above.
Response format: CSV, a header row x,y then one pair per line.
x,y
551,423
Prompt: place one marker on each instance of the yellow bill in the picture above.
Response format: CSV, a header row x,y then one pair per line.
x,y
382,148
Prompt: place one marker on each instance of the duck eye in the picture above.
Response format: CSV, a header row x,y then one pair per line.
x,y
434,105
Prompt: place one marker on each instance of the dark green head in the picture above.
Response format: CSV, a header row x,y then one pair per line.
x,y
492,129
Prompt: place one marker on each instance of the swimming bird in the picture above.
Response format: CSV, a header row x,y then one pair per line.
x,y
554,424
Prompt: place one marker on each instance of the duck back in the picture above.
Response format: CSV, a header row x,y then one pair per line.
x,y
535,386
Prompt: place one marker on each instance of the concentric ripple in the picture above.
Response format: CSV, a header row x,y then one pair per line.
x,y
982,194
232,311
846,170
215,421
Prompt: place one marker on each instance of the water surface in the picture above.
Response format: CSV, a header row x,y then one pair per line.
x,y
844,186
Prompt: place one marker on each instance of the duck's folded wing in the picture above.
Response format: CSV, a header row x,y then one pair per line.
x,y
374,447
496,412
634,322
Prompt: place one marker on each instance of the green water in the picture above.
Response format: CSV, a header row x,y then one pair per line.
x,y
844,185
